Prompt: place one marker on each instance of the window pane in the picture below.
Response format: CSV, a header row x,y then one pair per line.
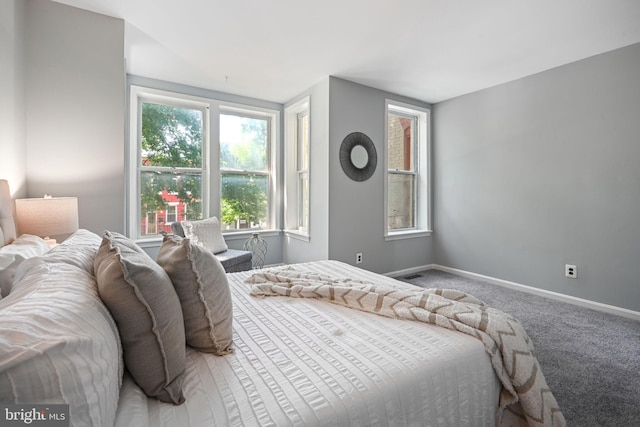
x,y
303,201
159,191
401,201
244,201
172,213
303,175
243,143
303,141
171,136
151,226
400,136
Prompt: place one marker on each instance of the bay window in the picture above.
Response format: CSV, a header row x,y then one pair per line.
x,y
191,158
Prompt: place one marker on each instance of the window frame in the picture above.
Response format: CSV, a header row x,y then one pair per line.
x,y
421,157
294,201
211,171
269,173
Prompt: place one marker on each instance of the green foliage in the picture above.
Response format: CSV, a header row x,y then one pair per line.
x,y
151,199
243,147
243,197
243,144
153,183
171,137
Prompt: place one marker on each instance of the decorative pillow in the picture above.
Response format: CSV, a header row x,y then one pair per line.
x,y
142,300
176,228
205,233
203,289
58,342
24,247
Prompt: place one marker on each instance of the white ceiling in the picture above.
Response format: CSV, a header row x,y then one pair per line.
x,y
430,50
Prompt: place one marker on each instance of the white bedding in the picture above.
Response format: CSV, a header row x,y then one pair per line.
x,y
308,362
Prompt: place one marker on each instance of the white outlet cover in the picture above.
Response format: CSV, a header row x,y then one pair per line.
x,y
571,271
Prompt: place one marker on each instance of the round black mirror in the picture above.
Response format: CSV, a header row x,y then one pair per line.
x,y
358,156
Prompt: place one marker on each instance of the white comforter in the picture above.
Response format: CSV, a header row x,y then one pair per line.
x,y
307,362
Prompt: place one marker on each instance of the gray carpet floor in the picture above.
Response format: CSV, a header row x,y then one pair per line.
x,y
590,359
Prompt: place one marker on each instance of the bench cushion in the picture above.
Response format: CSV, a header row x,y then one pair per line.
x,y
235,260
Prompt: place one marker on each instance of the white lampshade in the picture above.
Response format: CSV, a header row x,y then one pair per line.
x,y
50,216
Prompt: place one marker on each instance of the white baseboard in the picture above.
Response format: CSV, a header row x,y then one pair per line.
x,y
409,271
612,309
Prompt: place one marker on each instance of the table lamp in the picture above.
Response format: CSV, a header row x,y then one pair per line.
x,y
47,217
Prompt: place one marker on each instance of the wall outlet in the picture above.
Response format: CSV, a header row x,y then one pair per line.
x,y
571,271
359,258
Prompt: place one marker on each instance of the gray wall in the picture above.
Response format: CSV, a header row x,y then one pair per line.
x,y
356,209
13,151
75,97
347,217
542,172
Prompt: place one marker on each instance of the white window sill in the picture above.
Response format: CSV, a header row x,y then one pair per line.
x,y
245,234
149,242
409,234
229,235
298,235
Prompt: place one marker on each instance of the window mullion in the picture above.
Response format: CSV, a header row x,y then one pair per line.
x,y
169,169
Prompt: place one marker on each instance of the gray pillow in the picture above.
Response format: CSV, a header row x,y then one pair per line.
x,y
176,228
202,286
147,310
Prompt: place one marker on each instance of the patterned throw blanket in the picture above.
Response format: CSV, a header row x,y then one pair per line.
x,y
525,399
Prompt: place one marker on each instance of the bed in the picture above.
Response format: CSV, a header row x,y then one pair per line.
x,y
294,361
306,362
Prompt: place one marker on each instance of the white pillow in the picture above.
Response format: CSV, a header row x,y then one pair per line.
x,y
24,247
205,233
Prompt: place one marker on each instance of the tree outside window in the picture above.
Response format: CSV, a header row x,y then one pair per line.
x,y
170,166
244,169
191,157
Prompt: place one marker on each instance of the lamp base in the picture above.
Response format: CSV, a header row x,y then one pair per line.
x,y
51,242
